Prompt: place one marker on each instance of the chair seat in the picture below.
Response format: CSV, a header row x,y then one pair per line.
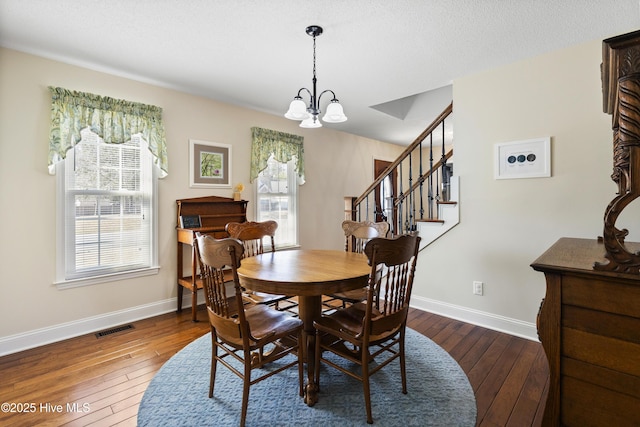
x,y
279,302
263,297
347,320
351,296
266,322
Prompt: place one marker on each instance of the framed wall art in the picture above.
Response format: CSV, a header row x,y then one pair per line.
x,y
209,164
190,221
523,159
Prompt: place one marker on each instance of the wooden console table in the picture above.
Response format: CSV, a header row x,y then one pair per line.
x,y
589,326
214,212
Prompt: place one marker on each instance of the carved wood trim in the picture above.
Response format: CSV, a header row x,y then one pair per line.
x,y
621,93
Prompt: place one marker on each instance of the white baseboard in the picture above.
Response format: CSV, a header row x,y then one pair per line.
x,y
63,331
38,337
496,322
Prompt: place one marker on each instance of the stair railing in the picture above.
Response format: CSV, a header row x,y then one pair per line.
x,y
426,184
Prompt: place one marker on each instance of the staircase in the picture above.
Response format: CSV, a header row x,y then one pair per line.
x,y
418,192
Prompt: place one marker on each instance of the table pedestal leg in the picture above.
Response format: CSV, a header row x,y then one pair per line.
x,y
310,309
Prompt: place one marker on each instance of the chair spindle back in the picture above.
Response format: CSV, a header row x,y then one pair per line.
x,y
358,233
225,314
393,263
252,235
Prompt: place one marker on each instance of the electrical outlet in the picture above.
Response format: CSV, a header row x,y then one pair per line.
x,y
478,288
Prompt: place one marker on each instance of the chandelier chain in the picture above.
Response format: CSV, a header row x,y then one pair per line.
x,y
314,57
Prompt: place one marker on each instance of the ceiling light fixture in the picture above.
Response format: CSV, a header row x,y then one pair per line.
x,y
298,110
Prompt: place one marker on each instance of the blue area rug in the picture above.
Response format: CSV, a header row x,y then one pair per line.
x,y
439,393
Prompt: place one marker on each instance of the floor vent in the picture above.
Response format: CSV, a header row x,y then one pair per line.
x,y
113,330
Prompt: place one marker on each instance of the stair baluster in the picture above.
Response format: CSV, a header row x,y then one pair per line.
x,y
421,192
401,213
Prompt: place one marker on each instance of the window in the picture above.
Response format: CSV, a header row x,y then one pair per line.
x,y
277,167
277,199
104,152
106,211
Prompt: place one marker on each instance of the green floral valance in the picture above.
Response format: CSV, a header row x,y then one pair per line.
x,y
114,120
282,145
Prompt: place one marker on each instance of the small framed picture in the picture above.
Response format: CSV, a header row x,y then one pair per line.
x,y
210,164
523,159
190,221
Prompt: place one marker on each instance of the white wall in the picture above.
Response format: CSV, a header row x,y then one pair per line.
x,y
506,224
31,307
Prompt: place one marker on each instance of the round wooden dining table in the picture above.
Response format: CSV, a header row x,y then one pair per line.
x,y
307,274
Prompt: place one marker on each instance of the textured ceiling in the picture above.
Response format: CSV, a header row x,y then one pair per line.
x,y
256,54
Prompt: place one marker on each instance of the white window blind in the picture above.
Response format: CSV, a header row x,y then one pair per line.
x,y
277,199
108,209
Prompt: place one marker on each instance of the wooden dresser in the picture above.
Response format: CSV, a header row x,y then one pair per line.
x,y
589,321
214,213
589,326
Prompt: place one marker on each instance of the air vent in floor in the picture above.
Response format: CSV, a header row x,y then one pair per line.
x,y
107,332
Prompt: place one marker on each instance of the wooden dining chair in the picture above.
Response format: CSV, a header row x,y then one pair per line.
x,y
241,332
252,235
365,331
357,234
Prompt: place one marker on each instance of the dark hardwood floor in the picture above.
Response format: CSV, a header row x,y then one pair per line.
x,y
106,377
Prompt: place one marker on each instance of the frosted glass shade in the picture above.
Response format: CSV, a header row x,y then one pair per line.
x,y
297,110
335,113
311,122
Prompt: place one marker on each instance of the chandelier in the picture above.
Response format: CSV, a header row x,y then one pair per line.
x,y
308,115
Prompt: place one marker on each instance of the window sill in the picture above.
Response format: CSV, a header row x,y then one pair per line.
x,y
286,247
94,280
